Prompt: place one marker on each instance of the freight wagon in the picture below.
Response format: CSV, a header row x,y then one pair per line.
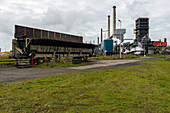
x,y
40,44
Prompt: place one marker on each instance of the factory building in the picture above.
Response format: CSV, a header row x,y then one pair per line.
x,y
112,44
142,44
142,28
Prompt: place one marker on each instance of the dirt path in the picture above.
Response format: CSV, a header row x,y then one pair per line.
x,y
105,63
14,74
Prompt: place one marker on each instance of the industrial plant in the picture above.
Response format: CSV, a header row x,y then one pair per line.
x,y
141,45
87,56
38,44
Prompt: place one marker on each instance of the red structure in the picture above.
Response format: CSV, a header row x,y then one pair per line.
x,y
160,44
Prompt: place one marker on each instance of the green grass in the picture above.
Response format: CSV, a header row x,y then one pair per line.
x,y
6,59
2,58
159,56
60,65
115,57
143,88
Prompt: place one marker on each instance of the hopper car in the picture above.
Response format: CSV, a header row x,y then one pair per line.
x,y
37,45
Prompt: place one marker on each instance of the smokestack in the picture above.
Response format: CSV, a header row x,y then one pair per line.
x,y
114,21
97,40
108,26
165,40
101,35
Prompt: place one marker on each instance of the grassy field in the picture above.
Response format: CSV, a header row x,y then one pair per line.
x,y
115,57
5,59
143,88
159,56
60,65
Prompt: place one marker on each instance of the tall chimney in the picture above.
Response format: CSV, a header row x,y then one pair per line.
x,y
165,40
114,21
101,35
108,26
97,40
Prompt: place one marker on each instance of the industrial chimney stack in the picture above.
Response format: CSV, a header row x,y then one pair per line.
x,y
101,35
97,40
108,26
165,40
114,21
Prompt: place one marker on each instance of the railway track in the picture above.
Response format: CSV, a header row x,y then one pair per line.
x,y
6,63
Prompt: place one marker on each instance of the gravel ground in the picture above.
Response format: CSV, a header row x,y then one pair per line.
x,y
14,74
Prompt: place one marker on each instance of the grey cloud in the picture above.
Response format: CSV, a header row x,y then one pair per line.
x,y
84,17
71,20
138,8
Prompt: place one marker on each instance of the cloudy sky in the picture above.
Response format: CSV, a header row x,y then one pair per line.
x,y
82,17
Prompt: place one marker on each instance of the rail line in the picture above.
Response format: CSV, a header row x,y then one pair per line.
x,y
6,63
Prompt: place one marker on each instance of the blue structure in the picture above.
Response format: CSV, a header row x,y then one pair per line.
x,y
107,45
135,43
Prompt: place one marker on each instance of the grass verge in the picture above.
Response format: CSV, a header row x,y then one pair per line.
x,y
115,57
60,65
159,56
142,88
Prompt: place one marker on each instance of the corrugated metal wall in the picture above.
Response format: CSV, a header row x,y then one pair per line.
x,y
27,32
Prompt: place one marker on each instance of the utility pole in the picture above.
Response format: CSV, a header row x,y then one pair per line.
x,y
144,45
120,40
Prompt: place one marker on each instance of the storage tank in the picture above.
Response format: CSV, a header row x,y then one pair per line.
x,y
107,46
